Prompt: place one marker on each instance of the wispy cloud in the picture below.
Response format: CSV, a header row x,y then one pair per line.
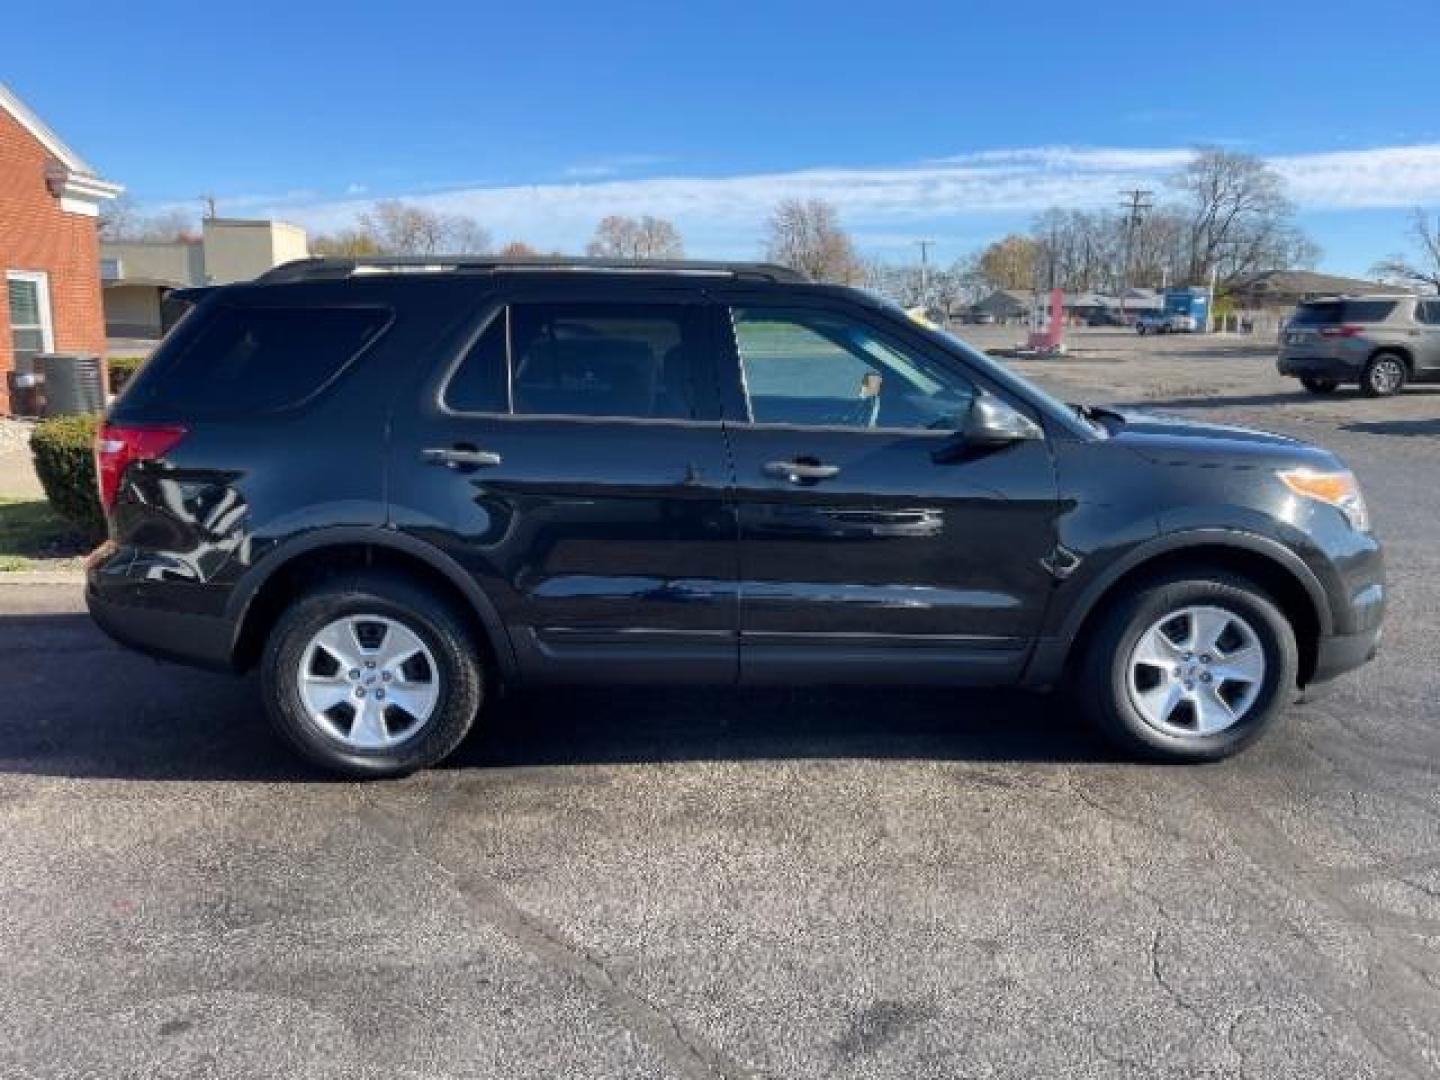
x,y
725,215
613,165
1387,176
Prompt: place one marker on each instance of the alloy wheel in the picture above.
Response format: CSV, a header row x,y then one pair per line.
x,y
1196,672
368,681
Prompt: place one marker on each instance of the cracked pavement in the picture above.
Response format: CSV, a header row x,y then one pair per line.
x,y
760,884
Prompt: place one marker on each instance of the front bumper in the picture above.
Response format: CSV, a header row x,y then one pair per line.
x,y
1340,653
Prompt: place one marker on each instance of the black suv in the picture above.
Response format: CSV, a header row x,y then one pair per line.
x,y
395,485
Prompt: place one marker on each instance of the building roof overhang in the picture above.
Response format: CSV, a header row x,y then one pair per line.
x,y
77,186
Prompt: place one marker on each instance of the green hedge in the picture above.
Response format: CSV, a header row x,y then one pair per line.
x,y
122,369
64,452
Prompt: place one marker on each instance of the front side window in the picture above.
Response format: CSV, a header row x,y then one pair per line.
x,y
1428,312
818,368
631,361
30,327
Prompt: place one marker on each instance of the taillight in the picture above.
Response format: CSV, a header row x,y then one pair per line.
x,y
1344,330
116,447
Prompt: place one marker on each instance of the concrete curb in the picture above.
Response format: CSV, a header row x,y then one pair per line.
x,y
43,577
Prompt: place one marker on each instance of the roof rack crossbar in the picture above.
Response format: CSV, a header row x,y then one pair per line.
x,y
330,268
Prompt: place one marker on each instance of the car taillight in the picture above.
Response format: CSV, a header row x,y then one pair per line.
x,y
1345,330
117,446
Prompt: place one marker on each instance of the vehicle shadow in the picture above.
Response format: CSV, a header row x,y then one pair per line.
x,y
127,717
1429,427
1219,401
631,725
1190,400
1253,350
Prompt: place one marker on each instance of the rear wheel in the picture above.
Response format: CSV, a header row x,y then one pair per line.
x,y
1190,667
1316,385
1384,375
372,676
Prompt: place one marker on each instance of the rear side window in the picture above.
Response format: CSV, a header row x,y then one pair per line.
x,y
242,360
1428,312
585,359
1334,312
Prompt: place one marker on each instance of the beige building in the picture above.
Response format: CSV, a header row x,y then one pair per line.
x,y
137,275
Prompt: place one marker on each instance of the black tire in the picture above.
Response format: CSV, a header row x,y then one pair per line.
x,y
460,673
1104,677
1317,385
1385,374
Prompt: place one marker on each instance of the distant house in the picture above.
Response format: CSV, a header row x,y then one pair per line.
x,y
1283,289
49,240
1007,305
1015,305
137,275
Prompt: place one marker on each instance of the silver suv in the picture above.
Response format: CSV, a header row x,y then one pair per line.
x,y
1379,342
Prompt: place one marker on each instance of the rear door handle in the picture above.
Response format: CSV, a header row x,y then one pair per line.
x,y
461,457
800,472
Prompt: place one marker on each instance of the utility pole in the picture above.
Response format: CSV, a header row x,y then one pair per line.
x,y
925,246
208,198
1137,202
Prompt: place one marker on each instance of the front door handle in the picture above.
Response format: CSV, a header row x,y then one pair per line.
x,y
461,457
801,472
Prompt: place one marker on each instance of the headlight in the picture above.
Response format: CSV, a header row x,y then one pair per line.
x,y
1338,487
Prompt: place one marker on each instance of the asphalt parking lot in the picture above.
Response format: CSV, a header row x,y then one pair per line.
x,y
697,884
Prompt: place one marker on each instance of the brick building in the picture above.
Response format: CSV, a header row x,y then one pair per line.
x,y
49,244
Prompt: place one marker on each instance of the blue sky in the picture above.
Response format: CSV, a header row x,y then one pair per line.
x,y
952,121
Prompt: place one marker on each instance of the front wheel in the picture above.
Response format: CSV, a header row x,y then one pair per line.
x,y
372,675
1190,667
1317,385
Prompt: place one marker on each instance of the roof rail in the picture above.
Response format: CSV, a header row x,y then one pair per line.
x,y
327,268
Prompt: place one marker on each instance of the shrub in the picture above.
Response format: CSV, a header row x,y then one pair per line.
x,y
64,451
122,369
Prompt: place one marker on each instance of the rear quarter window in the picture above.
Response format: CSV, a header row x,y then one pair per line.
x,y
232,361
1334,312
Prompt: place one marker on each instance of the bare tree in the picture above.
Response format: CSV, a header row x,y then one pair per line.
x,y
950,288
900,284
806,235
122,219
1239,220
942,290
518,249
399,228
621,237
1424,267
118,218
463,235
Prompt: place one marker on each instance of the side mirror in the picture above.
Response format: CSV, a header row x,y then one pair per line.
x,y
992,423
